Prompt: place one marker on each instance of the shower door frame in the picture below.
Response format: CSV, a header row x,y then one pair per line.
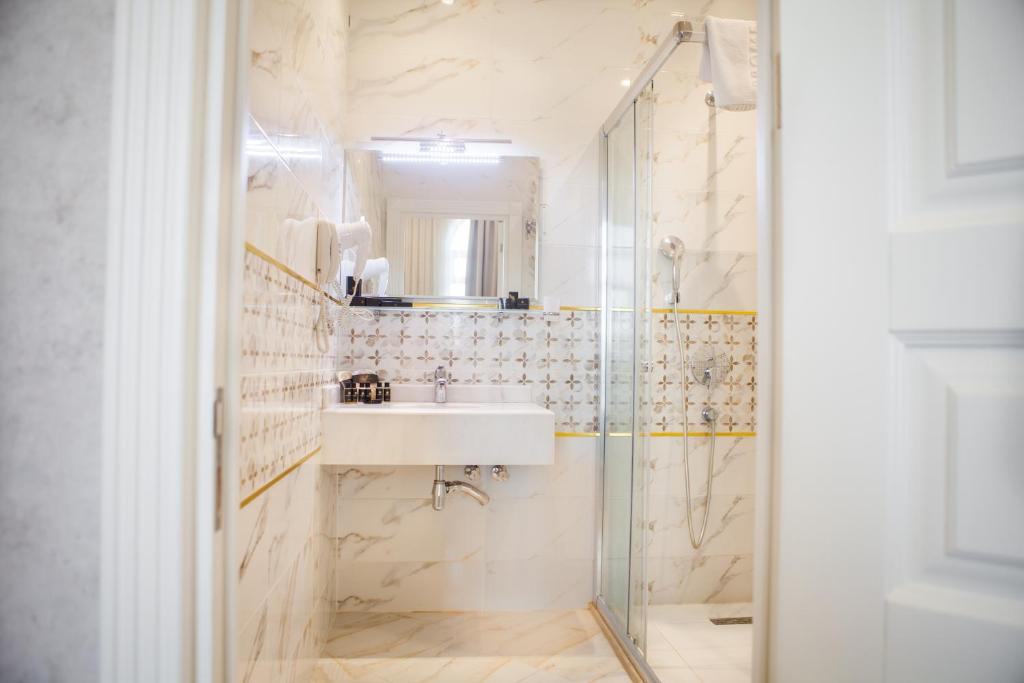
x,y
640,344
619,629
769,124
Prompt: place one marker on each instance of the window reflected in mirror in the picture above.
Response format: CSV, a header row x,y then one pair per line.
x,y
453,256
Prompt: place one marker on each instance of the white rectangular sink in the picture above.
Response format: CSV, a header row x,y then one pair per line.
x,y
478,425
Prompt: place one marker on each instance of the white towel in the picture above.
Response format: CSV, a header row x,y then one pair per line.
x,y
729,62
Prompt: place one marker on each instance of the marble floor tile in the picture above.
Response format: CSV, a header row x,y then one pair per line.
x,y
676,674
683,645
496,647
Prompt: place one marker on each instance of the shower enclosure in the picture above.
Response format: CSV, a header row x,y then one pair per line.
x,y
679,175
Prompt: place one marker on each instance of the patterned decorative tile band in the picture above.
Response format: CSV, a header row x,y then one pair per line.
x,y
735,398
282,373
557,355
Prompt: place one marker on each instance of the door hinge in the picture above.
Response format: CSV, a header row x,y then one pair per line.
x,y
218,437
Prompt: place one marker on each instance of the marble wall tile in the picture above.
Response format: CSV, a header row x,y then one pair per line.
x,y
400,530
271,532
279,212
410,586
733,470
530,548
295,178
540,583
730,526
280,642
700,578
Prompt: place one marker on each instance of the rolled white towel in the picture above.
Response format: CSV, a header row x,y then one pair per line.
x,y
729,62
379,269
358,237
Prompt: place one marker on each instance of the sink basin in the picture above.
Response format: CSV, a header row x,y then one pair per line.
x,y
479,425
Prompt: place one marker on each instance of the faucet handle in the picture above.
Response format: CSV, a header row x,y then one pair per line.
x,y
441,373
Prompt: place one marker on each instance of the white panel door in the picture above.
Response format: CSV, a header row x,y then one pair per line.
x,y
907,446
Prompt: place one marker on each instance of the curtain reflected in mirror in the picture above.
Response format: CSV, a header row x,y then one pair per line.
x,y
484,258
446,256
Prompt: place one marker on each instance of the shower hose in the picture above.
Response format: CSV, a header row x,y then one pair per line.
x,y
695,540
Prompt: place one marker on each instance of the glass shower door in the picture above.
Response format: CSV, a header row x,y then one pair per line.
x,y
619,367
627,182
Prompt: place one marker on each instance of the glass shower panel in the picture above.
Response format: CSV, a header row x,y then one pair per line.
x,y
640,428
626,323
619,367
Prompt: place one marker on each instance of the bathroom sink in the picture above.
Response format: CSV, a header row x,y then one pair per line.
x,y
478,425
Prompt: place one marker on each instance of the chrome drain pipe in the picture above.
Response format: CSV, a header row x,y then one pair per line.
x,y
442,488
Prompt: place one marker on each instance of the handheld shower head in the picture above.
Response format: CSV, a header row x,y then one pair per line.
x,y
672,248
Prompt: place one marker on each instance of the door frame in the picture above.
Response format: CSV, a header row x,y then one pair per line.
x,y
171,319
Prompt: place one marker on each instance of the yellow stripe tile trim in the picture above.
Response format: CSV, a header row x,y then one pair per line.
x,y
266,487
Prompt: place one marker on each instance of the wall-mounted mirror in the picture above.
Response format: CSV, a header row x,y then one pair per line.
x,y
465,228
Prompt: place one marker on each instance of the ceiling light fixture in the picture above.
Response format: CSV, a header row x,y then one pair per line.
x,y
441,137
444,146
438,158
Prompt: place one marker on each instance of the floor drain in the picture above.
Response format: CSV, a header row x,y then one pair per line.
x,y
729,621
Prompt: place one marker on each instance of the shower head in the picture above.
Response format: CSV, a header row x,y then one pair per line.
x,y
672,248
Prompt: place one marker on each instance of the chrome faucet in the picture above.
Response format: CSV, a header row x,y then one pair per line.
x,y
440,385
